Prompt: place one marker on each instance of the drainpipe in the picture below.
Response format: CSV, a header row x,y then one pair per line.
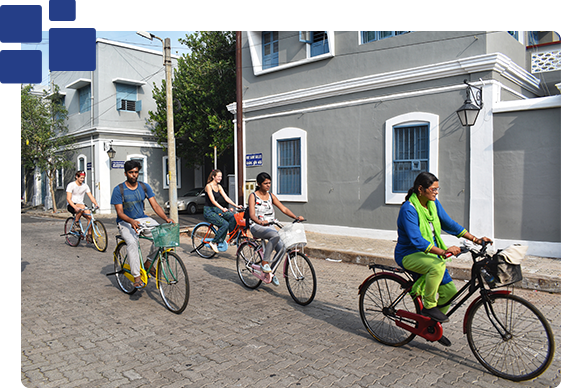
x,y
92,99
239,118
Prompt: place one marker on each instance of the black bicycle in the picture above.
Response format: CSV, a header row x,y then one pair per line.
x,y
507,334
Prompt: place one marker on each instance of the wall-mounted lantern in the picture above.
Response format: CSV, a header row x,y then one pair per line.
x,y
468,112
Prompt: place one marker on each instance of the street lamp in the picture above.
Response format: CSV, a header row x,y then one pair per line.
x,y
111,152
468,112
171,136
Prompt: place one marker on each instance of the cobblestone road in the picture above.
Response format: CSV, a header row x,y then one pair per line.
x,y
79,330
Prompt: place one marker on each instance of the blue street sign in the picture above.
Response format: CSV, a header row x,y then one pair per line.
x,y
118,164
253,160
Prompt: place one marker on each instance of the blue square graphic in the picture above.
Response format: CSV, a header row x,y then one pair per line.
x,y
62,10
20,66
72,49
20,23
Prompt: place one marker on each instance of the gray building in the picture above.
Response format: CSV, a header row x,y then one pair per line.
x,y
344,121
108,109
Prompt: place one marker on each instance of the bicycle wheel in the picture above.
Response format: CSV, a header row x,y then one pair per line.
x,y
246,256
172,282
300,277
99,236
122,268
201,234
70,232
526,347
380,298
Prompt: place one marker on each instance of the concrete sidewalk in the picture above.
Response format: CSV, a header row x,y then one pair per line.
x,y
540,273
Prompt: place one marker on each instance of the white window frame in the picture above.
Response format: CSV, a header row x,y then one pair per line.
x,y
59,175
284,134
144,165
85,158
165,177
413,118
256,52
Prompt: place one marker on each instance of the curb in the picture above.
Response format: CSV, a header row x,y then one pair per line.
x,y
458,271
542,282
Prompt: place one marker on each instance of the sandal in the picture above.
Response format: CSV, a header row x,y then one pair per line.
x,y
138,283
152,270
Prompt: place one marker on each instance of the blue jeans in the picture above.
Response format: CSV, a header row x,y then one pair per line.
x,y
224,222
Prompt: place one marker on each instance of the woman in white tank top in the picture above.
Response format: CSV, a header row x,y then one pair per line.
x,y
262,213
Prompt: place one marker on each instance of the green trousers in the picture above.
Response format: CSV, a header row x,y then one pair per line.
x,y
433,267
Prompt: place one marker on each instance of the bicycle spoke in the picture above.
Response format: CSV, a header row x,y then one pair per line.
x,y
523,351
380,297
172,282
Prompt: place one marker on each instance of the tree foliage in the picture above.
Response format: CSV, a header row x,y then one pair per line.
x,y
204,82
44,140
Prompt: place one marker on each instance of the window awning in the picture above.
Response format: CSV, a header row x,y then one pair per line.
x,y
79,83
127,81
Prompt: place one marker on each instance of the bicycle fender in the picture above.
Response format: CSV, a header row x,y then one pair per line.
x,y
202,223
504,292
374,275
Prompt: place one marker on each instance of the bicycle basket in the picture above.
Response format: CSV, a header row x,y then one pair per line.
x,y
166,235
503,272
293,235
240,219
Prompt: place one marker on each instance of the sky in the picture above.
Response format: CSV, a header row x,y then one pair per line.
x,y
129,37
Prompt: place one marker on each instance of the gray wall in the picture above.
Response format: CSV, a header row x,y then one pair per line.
x,y
353,59
346,165
527,172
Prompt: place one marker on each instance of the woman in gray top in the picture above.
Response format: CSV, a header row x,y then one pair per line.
x,y
262,213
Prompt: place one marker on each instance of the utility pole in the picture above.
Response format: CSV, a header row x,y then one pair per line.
x,y
173,213
239,118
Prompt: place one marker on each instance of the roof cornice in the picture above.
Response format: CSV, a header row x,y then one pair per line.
x,y
489,62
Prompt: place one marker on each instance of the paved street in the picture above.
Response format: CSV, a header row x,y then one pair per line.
x,y
79,330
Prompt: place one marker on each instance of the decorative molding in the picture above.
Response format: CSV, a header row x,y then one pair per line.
x,y
489,62
528,104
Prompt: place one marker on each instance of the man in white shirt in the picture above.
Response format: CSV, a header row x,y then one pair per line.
x,y
75,196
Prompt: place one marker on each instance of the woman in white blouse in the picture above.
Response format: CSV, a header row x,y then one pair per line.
x,y
262,213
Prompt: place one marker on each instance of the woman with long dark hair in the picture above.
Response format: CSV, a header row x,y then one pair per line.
x,y
420,247
214,212
261,213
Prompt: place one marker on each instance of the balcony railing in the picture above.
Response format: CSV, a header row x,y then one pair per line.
x,y
546,61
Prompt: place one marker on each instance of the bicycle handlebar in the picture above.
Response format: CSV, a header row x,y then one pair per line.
x,y
277,223
477,253
93,209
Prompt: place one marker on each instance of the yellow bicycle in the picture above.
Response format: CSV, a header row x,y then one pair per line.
x,y
167,267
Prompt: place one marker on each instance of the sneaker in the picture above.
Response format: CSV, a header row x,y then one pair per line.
x,y
444,341
266,268
213,246
435,314
275,281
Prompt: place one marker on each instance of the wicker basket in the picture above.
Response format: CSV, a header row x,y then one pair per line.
x,y
166,235
293,235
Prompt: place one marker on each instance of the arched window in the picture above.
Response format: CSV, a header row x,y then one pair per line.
x,y
289,150
411,143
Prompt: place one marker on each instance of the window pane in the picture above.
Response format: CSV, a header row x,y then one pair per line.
x,y
141,171
84,96
411,154
385,34
288,166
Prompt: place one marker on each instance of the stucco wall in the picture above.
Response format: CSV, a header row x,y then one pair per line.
x,y
346,158
527,162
